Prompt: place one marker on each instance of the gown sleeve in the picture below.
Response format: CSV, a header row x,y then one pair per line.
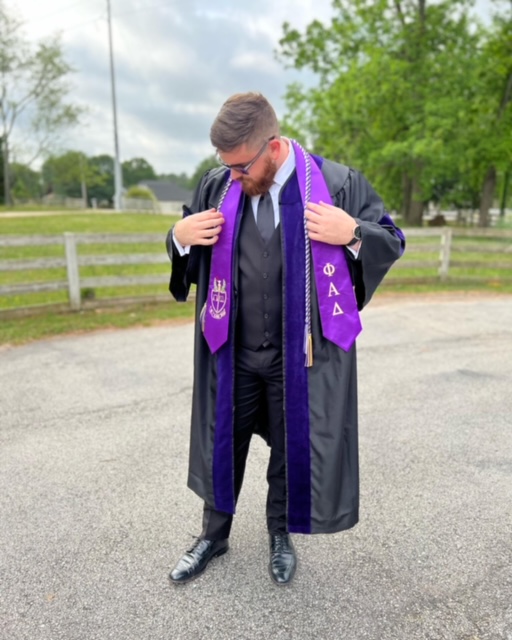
x,y
185,267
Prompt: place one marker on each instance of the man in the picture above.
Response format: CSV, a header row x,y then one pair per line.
x,y
285,248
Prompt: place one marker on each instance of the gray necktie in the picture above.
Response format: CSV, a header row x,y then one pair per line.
x,y
265,217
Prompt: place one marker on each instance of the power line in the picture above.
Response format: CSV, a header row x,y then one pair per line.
x,y
61,9
99,18
65,8
114,15
145,8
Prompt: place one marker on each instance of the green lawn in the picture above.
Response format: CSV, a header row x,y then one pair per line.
x,y
43,324
88,223
35,327
83,223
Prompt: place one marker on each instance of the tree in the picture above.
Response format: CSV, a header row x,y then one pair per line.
x,y
25,182
71,174
33,88
493,124
136,170
104,190
393,81
208,163
2,195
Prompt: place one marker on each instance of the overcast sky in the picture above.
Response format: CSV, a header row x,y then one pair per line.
x,y
176,62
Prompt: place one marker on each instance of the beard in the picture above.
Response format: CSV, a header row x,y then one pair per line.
x,y
261,185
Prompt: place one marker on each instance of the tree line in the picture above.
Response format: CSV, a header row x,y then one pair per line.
x,y
73,174
35,112
417,94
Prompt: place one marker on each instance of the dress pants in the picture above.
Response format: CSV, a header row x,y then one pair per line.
x,y
258,377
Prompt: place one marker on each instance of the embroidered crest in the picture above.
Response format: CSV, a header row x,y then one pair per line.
x,y
217,308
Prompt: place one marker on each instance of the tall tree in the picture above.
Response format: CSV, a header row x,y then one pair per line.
x,y
32,87
208,163
25,182
135,170
493,124
389,78
104,190
2,195
71,174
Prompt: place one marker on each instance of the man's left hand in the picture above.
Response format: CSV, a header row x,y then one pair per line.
x,y
329,224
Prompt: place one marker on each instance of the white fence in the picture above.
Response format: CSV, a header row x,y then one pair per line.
x,y
458,252
446,242
72,261
464,217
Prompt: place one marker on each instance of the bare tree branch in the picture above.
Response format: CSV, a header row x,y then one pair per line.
x,y
400,13
33,86
507,96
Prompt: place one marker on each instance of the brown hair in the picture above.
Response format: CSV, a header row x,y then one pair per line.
x,y
245,118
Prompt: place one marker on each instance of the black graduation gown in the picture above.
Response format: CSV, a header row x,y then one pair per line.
x,y
321,401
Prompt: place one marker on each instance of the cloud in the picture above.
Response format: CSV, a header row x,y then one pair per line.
x,y
176,62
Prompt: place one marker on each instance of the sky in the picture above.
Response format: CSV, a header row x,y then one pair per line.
x,y
176,62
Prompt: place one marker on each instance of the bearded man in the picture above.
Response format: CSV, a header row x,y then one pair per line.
x,y
285,249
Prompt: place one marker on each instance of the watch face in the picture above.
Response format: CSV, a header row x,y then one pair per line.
x,y
357,233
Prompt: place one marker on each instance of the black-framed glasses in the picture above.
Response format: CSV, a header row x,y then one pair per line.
x,y
244,169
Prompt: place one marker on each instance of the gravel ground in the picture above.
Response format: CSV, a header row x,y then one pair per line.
x,y
94,509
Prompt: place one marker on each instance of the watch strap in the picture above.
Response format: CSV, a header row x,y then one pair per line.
x,y
356,238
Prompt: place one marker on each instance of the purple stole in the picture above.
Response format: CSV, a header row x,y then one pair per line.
x,y
336,300
340,324
218,304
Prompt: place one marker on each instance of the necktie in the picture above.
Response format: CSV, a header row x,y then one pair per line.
x,y
265,217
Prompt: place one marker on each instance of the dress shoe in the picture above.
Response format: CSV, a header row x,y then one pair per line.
x,y
283,561
196,559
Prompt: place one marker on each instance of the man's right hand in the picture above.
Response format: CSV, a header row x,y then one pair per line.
x,y
199,228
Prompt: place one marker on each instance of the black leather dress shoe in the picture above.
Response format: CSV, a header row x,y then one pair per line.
x,y
196,559
283,561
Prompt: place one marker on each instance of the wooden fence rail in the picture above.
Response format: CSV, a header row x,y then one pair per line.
x,y
450,244
458,249
72,261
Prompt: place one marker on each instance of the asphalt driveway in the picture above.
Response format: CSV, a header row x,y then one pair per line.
x,y
94,508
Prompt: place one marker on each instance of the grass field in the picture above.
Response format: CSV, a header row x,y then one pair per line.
x,y
83,223
480,252
20,329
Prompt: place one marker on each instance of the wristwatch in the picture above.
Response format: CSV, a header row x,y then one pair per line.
x,y
357,236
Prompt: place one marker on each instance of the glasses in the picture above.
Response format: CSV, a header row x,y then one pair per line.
x,y
244,169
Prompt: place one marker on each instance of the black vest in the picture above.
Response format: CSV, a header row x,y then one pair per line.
x,y
259,318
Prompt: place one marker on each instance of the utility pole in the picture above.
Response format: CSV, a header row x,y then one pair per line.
x,y
118,176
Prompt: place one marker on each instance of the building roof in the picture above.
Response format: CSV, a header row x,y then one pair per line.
x,y
166,191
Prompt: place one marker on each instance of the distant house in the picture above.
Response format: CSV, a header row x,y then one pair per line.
x,y
171,197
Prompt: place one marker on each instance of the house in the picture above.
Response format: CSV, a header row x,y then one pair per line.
x,y
170,196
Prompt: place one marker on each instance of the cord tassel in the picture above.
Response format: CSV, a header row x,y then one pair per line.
x,y
308,347
308,337
202,316
309,351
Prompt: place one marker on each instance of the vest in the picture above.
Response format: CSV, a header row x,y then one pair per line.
x,y
259,317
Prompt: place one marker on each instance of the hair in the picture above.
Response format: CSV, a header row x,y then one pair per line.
x,y
245,118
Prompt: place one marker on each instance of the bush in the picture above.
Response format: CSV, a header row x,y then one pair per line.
x,y
140,193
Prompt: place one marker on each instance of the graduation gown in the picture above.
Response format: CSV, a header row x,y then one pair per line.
x,y
320,402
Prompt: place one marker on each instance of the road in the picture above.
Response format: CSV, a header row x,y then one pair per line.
x,y
94,509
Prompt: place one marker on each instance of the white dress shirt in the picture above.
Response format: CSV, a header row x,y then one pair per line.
x,y
280,179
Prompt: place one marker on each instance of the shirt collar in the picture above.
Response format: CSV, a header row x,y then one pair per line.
x,y
288,166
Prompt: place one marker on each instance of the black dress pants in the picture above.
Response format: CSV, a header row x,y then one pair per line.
x,y
258,377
